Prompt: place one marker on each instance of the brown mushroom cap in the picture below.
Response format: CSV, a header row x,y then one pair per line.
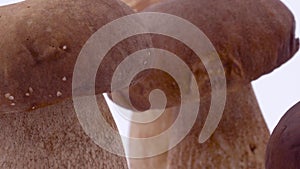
x,y
283,149
254,36
252,39
40,42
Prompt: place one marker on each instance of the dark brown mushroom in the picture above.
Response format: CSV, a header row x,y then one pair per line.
x,y
283,149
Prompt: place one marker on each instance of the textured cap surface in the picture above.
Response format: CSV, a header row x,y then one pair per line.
x,y
252,38
40,42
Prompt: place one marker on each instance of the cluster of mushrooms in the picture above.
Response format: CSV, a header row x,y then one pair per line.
x,y
41,40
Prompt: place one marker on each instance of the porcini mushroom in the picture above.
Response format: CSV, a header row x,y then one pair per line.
x,y
252,39
40,42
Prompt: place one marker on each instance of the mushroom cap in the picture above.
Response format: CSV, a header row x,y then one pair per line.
x,y
252,38
283,149
40,42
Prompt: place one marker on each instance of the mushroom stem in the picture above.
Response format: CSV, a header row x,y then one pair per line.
x,y
52,137
239,141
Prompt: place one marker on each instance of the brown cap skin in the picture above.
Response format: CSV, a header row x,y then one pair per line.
x,y
40,42
283,149
252,38
249,43
255,36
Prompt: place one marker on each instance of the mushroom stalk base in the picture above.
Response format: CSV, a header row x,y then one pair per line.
x,y
238,143
52,137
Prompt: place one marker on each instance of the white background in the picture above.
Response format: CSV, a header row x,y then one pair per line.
x,y
277,91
